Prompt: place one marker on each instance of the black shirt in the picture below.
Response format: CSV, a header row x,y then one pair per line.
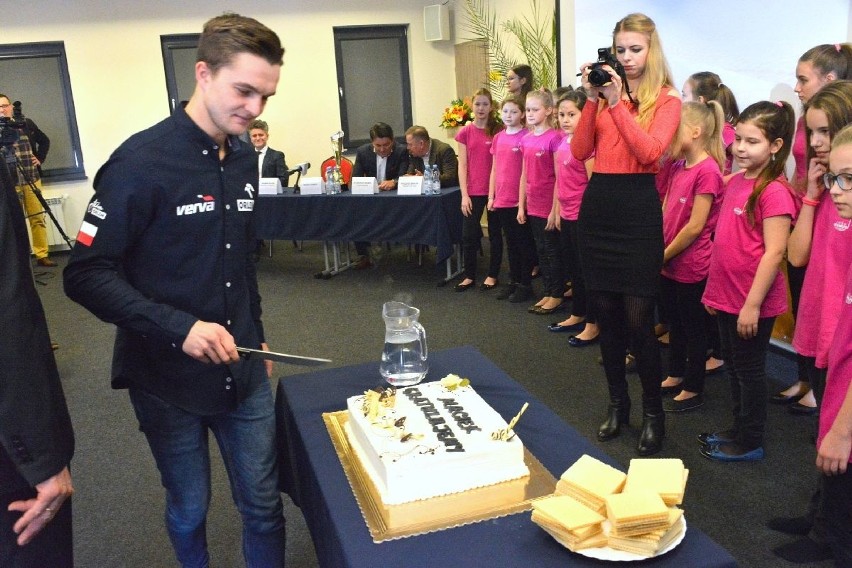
x,y
166,241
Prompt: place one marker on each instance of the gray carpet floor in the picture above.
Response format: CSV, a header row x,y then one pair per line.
x,y
118,505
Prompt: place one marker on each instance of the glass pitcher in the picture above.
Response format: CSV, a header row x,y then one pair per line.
x,y
404,356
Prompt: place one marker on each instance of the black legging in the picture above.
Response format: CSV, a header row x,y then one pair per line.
x,y
472,237
628,321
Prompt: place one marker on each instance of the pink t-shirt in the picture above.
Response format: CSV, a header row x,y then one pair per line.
x,y
539,151
831,256
693,263
479,158
738,247
729,134
508,162
839,361
571,181
800,156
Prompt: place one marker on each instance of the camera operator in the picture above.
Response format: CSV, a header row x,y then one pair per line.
x,y
31,152
621,223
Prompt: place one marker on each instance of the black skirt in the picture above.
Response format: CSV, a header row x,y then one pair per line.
x,y
621,234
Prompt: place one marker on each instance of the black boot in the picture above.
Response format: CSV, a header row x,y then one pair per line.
x,y
618,414
653,432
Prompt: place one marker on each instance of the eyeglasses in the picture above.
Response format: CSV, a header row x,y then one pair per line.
x,y
7,105
844,181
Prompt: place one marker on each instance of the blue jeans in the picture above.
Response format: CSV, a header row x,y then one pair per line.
x,y
246,438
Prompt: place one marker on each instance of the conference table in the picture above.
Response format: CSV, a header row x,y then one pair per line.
x,y
434,220
312,475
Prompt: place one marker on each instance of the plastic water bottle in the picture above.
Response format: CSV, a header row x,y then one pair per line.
x,y
329,181
427,181
336,176
436,180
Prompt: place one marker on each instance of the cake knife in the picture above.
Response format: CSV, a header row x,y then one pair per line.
x,y
283,357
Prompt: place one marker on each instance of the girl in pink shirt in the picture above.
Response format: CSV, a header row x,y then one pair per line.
x,y
475,141
821,236
703,87
817,67
503,199
744,285
834,443
537,198
693,193
571,181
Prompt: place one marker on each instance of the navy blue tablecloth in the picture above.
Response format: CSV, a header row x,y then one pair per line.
x,y
383,217
312,475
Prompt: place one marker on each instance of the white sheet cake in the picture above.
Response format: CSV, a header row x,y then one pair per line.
x,y
433,441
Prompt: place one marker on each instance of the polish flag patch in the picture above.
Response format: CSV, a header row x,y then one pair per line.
x,y
87,234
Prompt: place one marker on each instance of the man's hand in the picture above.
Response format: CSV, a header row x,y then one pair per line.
x,y
387,185
37,512
267,362
210,343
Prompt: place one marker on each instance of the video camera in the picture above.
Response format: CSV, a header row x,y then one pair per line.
x,y
10,127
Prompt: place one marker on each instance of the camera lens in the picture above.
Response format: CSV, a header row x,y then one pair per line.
x,y
598,77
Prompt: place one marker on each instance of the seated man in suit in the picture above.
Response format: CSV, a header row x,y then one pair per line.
x,y
270,163
384,160
427,151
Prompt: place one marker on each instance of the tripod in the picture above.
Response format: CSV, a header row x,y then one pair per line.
x,y
10,162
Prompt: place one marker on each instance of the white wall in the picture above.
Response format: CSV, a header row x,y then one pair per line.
x,y
117,77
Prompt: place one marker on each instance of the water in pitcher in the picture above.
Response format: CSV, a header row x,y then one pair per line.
x,y
404,357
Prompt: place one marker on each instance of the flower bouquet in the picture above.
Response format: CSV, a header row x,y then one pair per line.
x,y
457,114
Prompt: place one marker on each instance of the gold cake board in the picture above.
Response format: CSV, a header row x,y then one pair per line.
x,y
389,522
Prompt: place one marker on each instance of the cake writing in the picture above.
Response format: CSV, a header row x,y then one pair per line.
x,y
442,430
459,415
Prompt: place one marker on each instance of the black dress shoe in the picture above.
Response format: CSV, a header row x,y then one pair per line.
x,y
803,551
672,405
799,526
506,292
785,399
557,328
463,287
801,409
575,341
485,287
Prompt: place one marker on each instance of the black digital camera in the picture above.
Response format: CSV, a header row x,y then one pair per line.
x,y
598,76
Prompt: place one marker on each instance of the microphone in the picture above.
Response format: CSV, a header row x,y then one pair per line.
x,y
300,168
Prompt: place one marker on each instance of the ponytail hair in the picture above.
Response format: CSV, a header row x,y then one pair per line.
x,y
492,127
711,119
709,85
546,99
576,96
835,100
776,121
830,58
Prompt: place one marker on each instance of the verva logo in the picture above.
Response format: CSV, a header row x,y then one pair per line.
x,y
207,204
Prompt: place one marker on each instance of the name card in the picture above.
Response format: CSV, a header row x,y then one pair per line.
x,y
410,185
364,186
270,186
311,186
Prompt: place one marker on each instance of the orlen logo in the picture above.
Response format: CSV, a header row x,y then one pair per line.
x,y
738,211
207,204
849,298
682,199
842,225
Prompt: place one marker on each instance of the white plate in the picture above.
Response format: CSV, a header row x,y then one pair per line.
x,y
607,553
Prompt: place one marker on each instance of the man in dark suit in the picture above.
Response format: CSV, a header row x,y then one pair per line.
x,y
384,160
427,151
36,438
270,163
